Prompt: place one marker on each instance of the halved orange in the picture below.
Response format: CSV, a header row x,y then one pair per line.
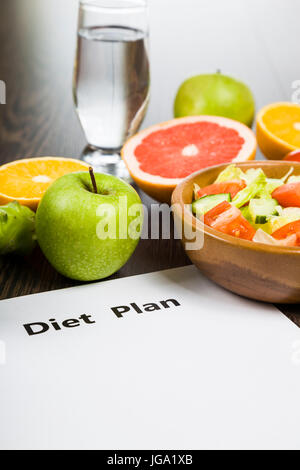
x,y
278,129
26,181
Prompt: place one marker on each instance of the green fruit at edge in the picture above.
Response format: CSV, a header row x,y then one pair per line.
x,y
17,229
215,95
88,236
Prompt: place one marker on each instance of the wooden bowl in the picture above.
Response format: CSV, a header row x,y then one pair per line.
x,y
258,271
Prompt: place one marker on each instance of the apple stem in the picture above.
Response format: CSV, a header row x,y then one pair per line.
x,y
93,180
219,71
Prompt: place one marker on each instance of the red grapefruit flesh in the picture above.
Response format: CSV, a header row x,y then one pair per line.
x,y
161,156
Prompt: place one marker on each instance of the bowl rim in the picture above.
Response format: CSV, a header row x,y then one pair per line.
x,y
229,239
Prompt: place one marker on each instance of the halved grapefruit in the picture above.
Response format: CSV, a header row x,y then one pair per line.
x,y
160,157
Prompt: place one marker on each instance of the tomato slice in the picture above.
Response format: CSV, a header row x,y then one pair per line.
x,y
293,156
232,187
288,195
228,219
211,216
287,230
291,240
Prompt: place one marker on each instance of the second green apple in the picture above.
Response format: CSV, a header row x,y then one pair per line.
x,y
216,95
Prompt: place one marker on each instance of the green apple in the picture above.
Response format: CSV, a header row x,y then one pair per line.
x,y
216,95
88,235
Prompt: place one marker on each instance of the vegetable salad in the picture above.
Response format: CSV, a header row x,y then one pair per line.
x,y
251,206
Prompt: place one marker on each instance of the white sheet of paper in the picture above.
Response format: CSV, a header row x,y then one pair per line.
x,y
216,372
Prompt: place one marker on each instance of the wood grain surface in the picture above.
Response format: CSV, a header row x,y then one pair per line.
x,y
37,46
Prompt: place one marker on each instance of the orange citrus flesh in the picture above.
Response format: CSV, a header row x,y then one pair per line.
x,y
278,129
284,123
26,181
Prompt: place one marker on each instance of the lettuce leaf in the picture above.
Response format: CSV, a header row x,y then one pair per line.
x,y
272,184
231,173
287,215
253,174
258,182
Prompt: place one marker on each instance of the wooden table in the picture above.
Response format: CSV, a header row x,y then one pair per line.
x,y
37,44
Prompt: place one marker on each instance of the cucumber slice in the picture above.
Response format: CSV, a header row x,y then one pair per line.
x,y
206,203
261,210
261,219
245,212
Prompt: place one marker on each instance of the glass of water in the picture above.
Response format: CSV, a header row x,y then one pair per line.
x,y
111,78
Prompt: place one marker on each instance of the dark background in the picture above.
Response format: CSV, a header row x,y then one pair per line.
x,y
37,46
